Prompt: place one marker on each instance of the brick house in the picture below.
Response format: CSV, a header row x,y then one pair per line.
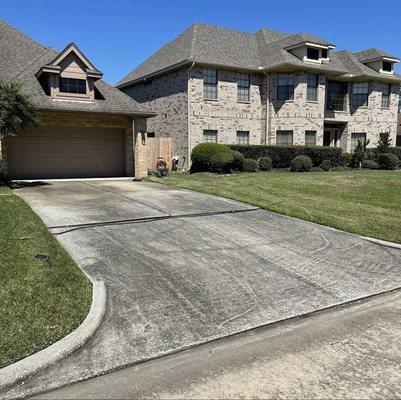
x,y
88,128
398,143
268,87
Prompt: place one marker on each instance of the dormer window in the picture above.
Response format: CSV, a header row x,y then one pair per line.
x,y
70,85
325,54
312,54
70,76
387,66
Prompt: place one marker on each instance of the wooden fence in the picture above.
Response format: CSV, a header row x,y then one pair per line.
x,y
158,147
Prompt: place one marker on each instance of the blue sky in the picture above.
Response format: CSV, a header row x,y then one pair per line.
x,y
117,35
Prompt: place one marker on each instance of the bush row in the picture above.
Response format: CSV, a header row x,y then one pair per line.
x,y
282,156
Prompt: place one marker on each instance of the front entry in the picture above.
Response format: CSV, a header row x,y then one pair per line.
x,y
330,137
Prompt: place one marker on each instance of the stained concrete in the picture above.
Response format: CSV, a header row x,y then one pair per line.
x,y
183,281
349,352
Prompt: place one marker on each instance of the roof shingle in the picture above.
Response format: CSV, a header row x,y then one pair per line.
x,y
265,49
21,57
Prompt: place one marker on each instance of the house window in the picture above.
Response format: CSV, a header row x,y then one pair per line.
x,y
210,136
336,95
310,138
243,137
312,54
285,87
312,85
284,138
360,94
325,53
210,84
69,85
387,66
355,138
243,88
385,95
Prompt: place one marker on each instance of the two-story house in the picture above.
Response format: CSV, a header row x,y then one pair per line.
x,y
212,84
87,128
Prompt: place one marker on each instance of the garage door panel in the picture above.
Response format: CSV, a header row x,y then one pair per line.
x,y
64,153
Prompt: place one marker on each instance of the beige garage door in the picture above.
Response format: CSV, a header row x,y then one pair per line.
x,y
66,153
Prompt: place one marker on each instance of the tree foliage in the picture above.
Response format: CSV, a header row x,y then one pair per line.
x,y
17,110
384,143
360,152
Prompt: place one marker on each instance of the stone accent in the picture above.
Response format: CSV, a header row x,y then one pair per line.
x,y
167,96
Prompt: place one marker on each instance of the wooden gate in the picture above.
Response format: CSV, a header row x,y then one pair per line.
x,y
158,147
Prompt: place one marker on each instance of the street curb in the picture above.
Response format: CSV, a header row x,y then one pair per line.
x,y
382,242
20,370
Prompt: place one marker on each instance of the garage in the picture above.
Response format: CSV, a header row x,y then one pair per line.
x,y
66,152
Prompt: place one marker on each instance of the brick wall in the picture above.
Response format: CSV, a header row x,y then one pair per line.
x,y
226,114
167,96
184,114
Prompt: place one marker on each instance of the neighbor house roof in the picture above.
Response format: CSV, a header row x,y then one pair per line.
x,y
264,50
22,57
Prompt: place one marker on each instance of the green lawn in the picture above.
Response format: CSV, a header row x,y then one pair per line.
x,y
38,303
363,202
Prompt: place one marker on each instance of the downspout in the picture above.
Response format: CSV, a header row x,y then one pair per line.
x,y
267,130
188,124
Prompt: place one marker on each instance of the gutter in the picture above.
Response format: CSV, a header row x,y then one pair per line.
x,y
125,113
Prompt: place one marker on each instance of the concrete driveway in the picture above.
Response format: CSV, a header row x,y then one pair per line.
x,y
184,268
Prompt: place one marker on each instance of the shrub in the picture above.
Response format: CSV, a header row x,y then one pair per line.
x,y
360,152
325,165
370,164
301,164
250,165
282,156
238,163
3,178
345,160
384,143
221,163
265,164
388,161
318,154
203,153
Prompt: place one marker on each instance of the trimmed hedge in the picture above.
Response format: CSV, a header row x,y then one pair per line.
x,y
325,165
208,157
238,163
282,156
388,161
370,164
265,164
301,164
250,165
373,154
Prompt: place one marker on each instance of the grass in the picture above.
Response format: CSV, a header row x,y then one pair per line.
x,y
39,304
363,202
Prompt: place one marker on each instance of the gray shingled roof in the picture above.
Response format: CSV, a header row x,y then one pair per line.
x,y
372,54
265,49
21,57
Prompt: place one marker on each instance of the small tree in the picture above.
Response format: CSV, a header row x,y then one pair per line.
x,y
359,153
384,143
17,110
